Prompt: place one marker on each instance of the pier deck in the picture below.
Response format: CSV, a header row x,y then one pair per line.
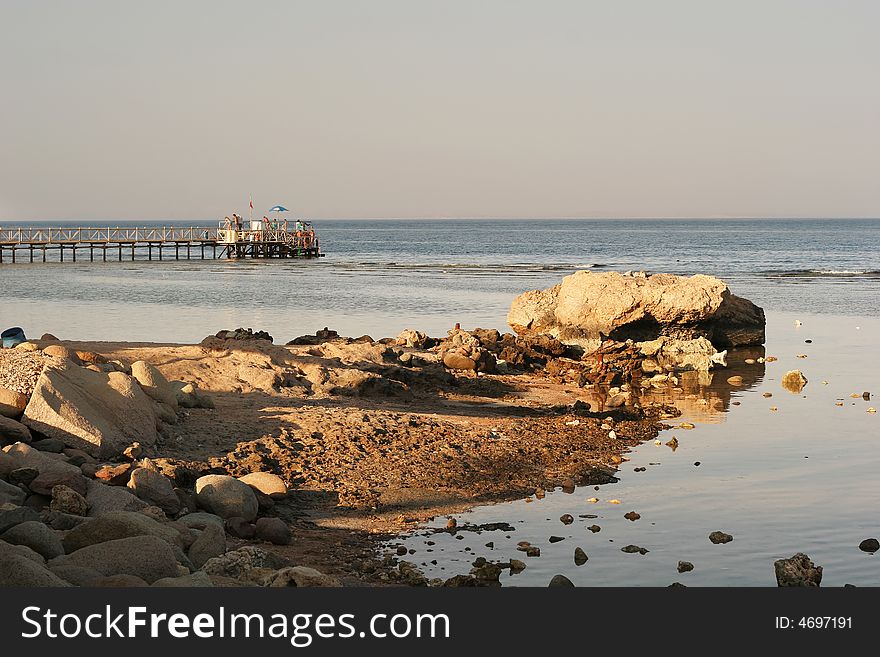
x,y
130,243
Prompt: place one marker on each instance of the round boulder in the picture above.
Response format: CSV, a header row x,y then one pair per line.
x,y
267,483
154,488
226,497
273,530
37,536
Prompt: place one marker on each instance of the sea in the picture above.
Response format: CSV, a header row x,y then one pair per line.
x,y
781,472
381,276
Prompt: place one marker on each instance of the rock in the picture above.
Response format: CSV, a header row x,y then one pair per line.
x,y
240,528
12,403
555,539
735,380
118,582
61,520
566,519
49,445
103,499
115,475
22,476
117,525
147,557
154,488
76,575
36,536
194,580
154,383
48,337
685,566
720,538
16,570
560,580
236,564
93,411
24,456
200,520
44,482
533,551
794,381
273,530
798,570
580,557
165,413
516,566
210,543
11,494
587,304
460,581
632,515
67,500
300,576
62,353
457,361
9,517
226,497
869,545
594,528
632,549
267,483
12,431
413,339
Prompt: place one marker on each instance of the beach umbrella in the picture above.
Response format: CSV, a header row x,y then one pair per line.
x,y
278,208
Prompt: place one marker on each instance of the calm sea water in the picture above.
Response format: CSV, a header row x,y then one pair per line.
x,y
382,276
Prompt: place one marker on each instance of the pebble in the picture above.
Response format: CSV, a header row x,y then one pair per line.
x,y
632,515
612,435
613,501
771,359
595,528
839,404
685,566
451,523
533,551
735,380
866,396
568,486
768,394
749,361
658,442
632,549
774,408
556,539
580,557
697,463
566,519
871,410
801,355
687,425
672,443
593,500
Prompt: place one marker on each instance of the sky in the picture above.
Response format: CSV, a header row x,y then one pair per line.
x,y
461,108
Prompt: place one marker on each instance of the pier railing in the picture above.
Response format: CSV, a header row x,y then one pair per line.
x,y
97,235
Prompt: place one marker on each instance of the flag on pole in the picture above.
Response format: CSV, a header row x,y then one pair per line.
x,y
252,202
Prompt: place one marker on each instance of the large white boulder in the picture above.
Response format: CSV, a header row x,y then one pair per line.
x,y
99,413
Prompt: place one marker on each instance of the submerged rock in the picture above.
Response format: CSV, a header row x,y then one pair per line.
x,y
720,537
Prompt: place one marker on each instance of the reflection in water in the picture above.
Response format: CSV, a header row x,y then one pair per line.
x,y
795,473
701,396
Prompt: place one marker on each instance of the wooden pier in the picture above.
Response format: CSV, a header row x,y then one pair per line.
x,y
163,243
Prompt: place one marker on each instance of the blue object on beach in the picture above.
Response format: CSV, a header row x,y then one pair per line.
x,y
12,337
278,208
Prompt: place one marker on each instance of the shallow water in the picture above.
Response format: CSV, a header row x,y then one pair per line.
x,y
801,479
380,277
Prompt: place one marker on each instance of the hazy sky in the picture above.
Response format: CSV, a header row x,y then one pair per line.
x,y
410,108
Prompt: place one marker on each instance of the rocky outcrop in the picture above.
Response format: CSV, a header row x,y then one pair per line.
x,y
100,413
798,570
588,305
463,350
